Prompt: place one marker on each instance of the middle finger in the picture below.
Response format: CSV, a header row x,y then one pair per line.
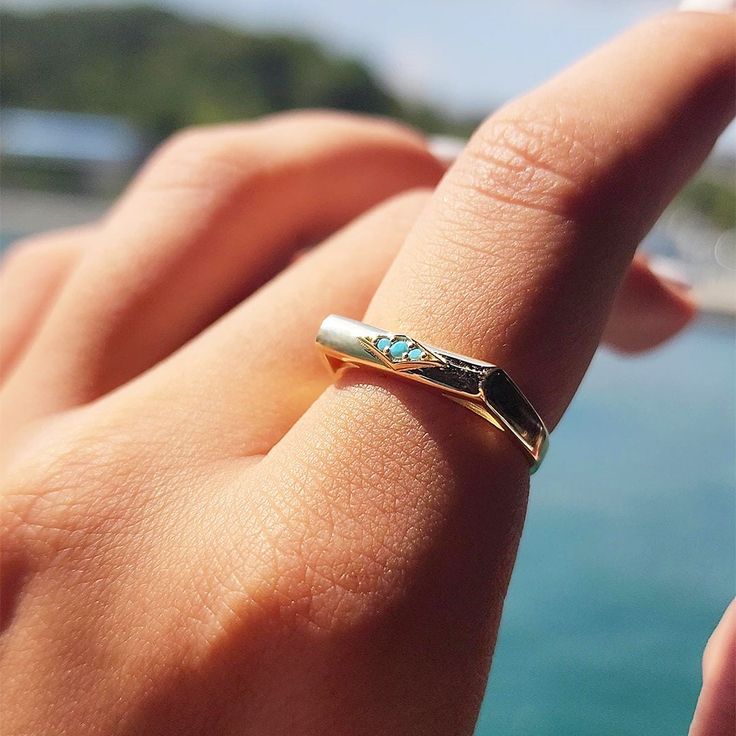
x,y
213,215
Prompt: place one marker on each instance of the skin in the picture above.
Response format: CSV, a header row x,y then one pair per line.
x,y
199,535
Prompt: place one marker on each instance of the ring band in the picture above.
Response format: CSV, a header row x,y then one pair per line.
x,y
481,387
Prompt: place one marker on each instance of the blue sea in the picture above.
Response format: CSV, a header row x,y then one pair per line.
x,y
627,558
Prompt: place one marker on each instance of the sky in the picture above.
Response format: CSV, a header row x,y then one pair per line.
x,y
466,56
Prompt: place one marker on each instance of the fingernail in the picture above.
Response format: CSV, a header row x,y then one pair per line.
x,y
445,148
708,6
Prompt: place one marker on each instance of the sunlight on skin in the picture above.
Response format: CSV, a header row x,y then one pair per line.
x,y
186,549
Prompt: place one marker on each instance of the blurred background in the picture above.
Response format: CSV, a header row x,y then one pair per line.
x,y
627,560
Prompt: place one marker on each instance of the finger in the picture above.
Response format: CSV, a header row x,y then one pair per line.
x,y
33,272
535,225
261,356
212,215
288,311
715,713
516,260
647,310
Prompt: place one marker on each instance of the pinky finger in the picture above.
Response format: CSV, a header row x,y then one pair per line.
x,y
648,310
31,276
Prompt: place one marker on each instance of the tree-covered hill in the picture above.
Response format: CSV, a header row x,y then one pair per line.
x,y
164,71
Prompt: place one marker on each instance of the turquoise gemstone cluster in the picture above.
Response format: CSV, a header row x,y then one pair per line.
x,y
400,349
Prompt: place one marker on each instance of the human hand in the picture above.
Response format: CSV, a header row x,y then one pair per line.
x,y
197,536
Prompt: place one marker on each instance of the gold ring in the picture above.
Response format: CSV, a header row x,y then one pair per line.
x,y
484,388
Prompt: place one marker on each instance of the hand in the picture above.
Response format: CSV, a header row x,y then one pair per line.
x,y
199,537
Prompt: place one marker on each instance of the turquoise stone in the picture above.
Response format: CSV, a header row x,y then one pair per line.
x,y
415,354
383,343
399,348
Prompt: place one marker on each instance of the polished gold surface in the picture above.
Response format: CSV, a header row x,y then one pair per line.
x,y
482,387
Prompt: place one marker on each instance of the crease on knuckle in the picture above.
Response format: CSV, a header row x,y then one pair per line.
x,y
204,160
543,163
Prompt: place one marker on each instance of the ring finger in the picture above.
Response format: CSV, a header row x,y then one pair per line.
x,y
516,260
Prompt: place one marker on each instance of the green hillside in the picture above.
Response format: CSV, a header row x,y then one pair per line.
x,y
164,71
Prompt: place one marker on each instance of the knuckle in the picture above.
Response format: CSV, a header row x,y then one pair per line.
x,y
353,142
359,142
25,253
347,125
39,252
312,117
38,491
202,158
541,160
225,158
187,139
71,484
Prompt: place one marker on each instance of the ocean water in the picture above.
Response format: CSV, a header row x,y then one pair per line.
x,y
627,558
